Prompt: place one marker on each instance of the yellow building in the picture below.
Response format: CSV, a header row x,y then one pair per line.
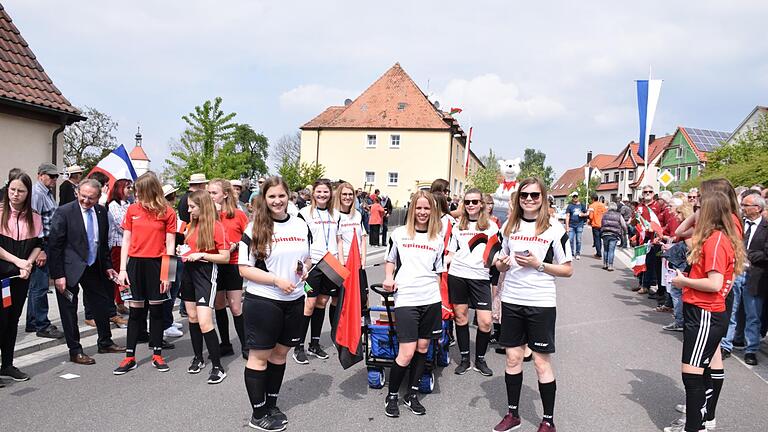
x,y
390,138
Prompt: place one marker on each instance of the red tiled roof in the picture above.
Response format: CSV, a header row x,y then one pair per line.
x,y
567,182
608,186
394,101
138,154
22,78
638,181
701,154
601,161
632,160
658,146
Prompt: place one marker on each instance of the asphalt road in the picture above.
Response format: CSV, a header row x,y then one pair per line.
x,y
616,371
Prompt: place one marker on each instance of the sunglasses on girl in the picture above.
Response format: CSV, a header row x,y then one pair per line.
x,y
533,195
473,202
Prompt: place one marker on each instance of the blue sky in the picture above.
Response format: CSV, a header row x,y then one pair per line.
x,y
555,76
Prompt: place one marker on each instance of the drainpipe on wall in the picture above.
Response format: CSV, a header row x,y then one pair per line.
x,y
55,145
317,148
450,155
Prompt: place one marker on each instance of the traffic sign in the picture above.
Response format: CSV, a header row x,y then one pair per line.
x,y
666,177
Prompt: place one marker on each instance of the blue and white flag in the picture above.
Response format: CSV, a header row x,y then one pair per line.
x,y
647,98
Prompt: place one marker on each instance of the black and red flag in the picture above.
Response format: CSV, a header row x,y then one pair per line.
x,y
492,246
347,332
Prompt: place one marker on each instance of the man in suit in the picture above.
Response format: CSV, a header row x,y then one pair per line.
x,y
79,257
750,287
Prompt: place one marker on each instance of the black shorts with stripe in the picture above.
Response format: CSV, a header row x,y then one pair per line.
x,y
199,283
229,278
144,276
270,322
528,325
473,292
702,332
418,322
321,284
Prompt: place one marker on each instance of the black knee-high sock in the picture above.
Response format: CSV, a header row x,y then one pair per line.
x,y
275,375
332,315
156,328
717,377
239,328
196,336
695,401
396,375
481,343
547,392
462,338
212,343
318,316
255,385
417,369
305,329
496,331
137,318
222,322
514,387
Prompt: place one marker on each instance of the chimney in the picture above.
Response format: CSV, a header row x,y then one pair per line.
x,y
589,156
651,138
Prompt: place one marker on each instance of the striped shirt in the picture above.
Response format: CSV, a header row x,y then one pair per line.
x,y
116,215
44,204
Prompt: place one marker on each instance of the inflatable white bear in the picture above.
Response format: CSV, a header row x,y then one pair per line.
x,y
509,169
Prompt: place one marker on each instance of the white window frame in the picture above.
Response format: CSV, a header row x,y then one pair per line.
x,y
677,174
679,152
392,141
688,172
606,177
368,141
631,176
389,178
373,177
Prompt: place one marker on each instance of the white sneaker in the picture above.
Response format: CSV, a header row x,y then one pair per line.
x,y
710,424
178,325
173,332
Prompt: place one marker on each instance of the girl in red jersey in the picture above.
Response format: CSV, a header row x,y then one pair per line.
x,y
230,284
149,232
717,253
207,249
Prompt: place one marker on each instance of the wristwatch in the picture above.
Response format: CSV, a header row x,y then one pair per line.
x,y
540,268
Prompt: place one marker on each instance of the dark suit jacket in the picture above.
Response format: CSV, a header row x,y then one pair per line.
x,y
68,243
757,254
67,193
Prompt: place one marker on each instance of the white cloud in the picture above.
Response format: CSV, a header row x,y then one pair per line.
x,y
488,97
313,97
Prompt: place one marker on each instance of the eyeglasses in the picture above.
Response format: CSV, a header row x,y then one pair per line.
x,y
473,202
692,197
53,176
533,195
749,205
647,192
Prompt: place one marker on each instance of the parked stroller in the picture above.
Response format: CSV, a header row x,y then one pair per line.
x,y
380,345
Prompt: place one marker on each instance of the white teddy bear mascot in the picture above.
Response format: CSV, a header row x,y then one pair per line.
x,y
509,169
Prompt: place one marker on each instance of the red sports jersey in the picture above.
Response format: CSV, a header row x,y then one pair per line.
x,y
716,255
234,228
148,230
219,240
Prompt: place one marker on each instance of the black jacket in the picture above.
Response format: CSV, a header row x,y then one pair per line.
x,y
757,254
68,243
67,193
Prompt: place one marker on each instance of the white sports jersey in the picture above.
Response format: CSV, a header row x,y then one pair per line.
x,y
527,286
467,263
290,245
348,225
323,227
418,260
446,220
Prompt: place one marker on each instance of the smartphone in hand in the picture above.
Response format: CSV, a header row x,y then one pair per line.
x,y
524,253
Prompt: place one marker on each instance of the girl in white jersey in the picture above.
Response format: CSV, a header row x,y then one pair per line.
x,y
535,251
323,224
273,258
469,281
414,260
350,223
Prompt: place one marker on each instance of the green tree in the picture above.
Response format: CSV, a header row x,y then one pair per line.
x,y
533,165
582,190
486,179
87,142
299,175
186,158
253,148
211,127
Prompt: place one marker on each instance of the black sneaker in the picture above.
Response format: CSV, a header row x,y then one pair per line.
x,y
128,364
412,402
463,367
50,332
482,367
226,350
196,366
300,356
14,373
266,423
217,375
159,363
390,406
276,414
317,351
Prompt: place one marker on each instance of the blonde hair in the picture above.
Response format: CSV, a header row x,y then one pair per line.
x,y
482,218
205,221
685,209
229,206
149,194
715,214
337,197
433,225
516,210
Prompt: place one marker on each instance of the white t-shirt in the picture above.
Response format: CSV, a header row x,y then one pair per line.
x,y
290,245
446,220
467,263
348,225
418,261
527,286
323,227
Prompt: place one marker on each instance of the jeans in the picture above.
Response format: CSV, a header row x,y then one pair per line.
x,y
574,236
609,250
677,304
597,241
753,306
37,305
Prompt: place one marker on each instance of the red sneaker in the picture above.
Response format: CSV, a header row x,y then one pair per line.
x,y
546,427
128,364
508,423
159,363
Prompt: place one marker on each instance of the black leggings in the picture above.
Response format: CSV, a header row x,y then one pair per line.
x,y
9,320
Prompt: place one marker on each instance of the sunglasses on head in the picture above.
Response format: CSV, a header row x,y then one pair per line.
x,y
533,195
473,202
